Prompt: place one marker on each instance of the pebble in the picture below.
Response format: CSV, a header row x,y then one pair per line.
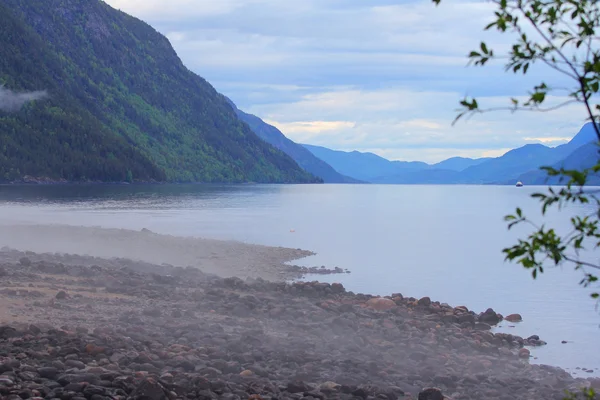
x,y
381,304
514,318
524,353
234,339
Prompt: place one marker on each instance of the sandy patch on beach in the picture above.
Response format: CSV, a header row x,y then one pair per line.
x,y
223,258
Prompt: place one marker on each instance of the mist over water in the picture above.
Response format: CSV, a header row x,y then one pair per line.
x,y
444,242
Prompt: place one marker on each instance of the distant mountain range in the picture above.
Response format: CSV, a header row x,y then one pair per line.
x,y
583,157
362,166
521,164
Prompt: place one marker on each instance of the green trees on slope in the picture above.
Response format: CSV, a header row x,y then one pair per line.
x,y
57,137
120,99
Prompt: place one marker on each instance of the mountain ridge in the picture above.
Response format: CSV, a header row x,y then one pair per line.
x,y
522,164
361,166
303,157
459,163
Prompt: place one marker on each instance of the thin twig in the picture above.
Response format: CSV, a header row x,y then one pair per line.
x,y
584,263
578,77
470,113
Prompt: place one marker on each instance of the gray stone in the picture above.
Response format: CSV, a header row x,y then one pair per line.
x,y
431,394
48,372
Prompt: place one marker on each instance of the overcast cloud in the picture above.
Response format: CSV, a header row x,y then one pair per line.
x,y
379,75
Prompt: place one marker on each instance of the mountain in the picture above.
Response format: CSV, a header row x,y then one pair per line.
x,y
459,163
363,166
584,157
512,164
120,106
585,135
305,159
521,164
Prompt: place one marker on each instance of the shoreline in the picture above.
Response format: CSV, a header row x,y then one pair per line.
x,y
113,327
52,182
148,291
150,183
225,258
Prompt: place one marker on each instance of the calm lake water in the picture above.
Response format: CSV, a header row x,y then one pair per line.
x,y
439,241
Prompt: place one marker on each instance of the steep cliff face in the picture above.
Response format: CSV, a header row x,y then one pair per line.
x,y
121,105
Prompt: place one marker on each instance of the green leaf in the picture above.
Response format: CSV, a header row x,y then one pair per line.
x,y
538,97
484,48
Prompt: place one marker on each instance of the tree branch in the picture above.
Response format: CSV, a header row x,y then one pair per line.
x,y
577,76
515,109
584,263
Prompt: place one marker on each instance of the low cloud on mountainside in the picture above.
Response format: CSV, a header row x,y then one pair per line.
x,y
13,101
384,75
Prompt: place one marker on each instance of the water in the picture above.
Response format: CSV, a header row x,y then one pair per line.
x,y
439,241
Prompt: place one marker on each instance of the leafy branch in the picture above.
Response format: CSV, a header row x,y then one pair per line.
x,y
561,29
561,35
564,39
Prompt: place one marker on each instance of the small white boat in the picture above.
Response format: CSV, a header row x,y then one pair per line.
x,y
519,184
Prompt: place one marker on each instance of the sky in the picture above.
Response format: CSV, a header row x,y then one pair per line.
x,y
384,76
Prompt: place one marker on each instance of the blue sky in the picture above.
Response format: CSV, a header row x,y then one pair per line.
x,y
380,75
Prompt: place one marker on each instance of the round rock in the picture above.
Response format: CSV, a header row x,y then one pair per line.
x,y
381,304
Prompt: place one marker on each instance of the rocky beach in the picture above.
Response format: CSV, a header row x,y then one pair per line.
x,y
225,258
85,327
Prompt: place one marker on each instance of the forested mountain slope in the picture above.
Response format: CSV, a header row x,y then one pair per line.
x,y
121,105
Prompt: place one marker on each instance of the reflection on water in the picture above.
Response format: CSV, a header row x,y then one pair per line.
x,y
439,241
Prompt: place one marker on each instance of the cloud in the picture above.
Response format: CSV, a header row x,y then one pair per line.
x,y
548,139
350,74
413,125
315,42
434,155
315,127
175,10
13,101
421,123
